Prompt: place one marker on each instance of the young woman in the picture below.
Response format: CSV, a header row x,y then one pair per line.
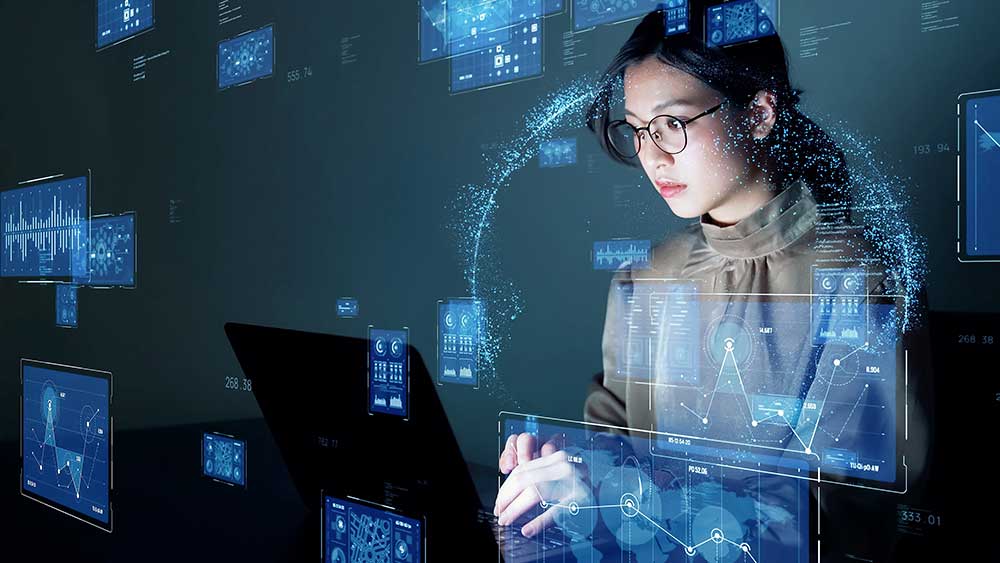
x,y
719,134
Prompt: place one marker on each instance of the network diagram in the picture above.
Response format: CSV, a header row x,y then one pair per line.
x,y
357,531
246,58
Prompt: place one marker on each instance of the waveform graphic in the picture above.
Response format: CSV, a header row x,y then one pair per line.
x,y
44,229
614,254
395,402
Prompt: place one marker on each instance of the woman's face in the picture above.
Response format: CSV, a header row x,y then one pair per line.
x,y
713,169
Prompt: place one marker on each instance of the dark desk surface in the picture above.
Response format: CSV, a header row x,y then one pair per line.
x,y
164,510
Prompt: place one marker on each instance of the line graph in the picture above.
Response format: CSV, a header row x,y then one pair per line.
x,y
787,380
630,509
780,413
66,441
618,501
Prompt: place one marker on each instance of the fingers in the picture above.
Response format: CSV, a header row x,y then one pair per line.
x,y
525,501
528,475
542,521
526,444
508,459
549,448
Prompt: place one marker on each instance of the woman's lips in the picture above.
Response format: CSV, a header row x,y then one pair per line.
x,y
670,189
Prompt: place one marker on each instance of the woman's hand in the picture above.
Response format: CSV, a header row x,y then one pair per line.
x,y
545,477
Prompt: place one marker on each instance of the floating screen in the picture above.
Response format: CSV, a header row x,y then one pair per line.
x,y
637,505
246,58
66,305
588,13
517,59
742,20
360,533
556,153
118,20
66,439
460,324
44,229
388,372
111,252
224,458
781,380
979,174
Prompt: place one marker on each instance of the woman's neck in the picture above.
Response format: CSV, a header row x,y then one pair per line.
x,y
741,204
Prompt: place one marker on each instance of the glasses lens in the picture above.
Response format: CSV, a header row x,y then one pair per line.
x,y
668,134
623,139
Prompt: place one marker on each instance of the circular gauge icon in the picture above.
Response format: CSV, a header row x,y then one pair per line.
x,y
449,319
827,283
236,473
208,466
402,550
466,320
340,525
396,347
717,36
380,346
851,283
337,556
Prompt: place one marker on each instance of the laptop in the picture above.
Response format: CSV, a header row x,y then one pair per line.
x,y
313,390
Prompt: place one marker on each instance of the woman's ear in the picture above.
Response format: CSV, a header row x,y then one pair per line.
x,y
763,113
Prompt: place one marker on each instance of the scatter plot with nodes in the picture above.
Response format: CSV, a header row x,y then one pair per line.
x,y
246,58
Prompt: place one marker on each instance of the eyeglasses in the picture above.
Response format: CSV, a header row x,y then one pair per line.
x,y
668,133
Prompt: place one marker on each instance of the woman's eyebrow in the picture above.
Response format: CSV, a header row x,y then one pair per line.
x,y
664,105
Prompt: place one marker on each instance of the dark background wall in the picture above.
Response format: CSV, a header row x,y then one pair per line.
x,y
294,193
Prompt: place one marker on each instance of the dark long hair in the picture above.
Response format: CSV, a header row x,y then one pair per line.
x,y
796,148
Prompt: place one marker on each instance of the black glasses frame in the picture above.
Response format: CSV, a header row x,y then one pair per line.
x,y
684,123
